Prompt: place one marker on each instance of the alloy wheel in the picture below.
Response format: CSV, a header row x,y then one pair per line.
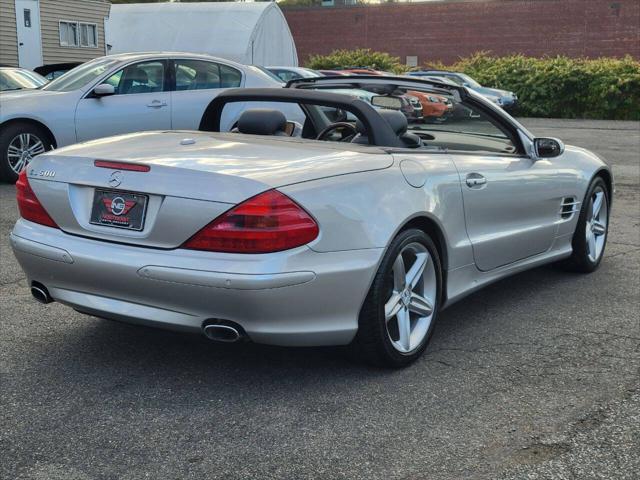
x,y
410,306
22,149
596,228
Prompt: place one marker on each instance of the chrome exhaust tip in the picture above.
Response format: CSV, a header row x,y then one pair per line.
x,y
221,333
40,293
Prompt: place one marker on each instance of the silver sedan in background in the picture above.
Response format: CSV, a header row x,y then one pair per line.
x,y
116,94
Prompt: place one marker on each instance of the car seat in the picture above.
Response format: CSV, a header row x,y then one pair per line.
x,y
262,121
136,81
399,125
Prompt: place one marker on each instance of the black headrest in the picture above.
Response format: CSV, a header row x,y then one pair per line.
x,y
262,121
138,75
396,119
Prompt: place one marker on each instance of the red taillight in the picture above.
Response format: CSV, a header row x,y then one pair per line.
x,y
133,167
30,207
269,222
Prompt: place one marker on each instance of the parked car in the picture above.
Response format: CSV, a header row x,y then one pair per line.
x,y
433,106
307,241
412,105
12,78
332,73
55,70
409,105
292,73
116,94
503,98
413,108
361,71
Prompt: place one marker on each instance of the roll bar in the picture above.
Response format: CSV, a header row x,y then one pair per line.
x,y
379,131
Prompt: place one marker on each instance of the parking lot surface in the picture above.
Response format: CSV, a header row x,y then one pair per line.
x,y
536,376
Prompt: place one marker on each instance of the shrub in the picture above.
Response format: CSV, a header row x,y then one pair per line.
x,y
362,57
561,87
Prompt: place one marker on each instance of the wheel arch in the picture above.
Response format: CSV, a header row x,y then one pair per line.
x,y
607,176
435,231
31,121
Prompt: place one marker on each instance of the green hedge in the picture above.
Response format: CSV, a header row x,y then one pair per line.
x,y
558,87
562,87
362,57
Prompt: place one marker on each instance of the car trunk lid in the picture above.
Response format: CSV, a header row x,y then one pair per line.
x,y
188,179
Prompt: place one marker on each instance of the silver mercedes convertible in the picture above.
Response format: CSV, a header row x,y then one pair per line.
x,y
344,223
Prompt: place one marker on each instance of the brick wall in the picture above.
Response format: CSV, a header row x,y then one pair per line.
x,y
456,28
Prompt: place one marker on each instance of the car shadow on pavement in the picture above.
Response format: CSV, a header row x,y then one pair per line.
x,y
134,356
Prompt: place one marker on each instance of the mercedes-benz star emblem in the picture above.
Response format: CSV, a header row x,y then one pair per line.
x,y
115,179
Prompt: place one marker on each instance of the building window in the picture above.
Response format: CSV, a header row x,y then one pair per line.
x,y
69,34
75,34
88,35
27,17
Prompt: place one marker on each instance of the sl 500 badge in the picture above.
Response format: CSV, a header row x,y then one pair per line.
x,y
43,173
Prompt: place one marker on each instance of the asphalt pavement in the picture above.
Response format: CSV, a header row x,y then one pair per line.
x,y
534,377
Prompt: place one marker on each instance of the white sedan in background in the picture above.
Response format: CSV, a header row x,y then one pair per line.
x,y
117,94
293,73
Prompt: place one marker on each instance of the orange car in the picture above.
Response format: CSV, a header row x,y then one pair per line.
x,y
433,106
364,71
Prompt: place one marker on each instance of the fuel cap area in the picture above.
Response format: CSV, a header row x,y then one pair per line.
x,y
413,172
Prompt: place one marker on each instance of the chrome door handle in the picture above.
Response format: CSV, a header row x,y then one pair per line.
x,y
157,104
475,180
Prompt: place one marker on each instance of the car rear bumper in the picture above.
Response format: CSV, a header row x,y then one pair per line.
x,y
298,297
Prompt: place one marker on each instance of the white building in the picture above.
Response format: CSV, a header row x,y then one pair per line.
x,y
39,32
250,33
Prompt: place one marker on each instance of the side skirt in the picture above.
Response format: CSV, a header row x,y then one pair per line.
x,y
465,280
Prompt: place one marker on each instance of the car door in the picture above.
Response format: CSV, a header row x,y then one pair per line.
x,y
512,203
196,83
141,102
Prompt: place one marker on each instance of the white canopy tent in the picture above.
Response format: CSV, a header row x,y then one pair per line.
x,y
250,33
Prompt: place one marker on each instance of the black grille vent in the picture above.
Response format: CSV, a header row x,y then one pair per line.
x,y
569,207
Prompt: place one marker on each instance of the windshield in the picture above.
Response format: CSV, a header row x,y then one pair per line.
x,y
268,72
468,80
437,118
81,75
18,79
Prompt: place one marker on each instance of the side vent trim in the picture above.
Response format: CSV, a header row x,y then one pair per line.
x,y
569,207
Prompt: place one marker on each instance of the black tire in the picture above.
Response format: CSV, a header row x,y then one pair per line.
x,y
372,343
579,260
7,135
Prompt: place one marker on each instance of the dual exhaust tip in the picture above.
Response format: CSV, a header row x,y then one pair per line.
x,y
220,332
223,332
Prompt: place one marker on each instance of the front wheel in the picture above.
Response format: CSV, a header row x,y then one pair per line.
x,y
400,311
19,143
590,237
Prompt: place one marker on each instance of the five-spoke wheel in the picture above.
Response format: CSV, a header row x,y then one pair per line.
x,y
590,237
410,307
398,315
597,221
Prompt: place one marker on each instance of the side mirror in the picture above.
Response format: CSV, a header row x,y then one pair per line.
x,y
382,101
104,90
548,147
